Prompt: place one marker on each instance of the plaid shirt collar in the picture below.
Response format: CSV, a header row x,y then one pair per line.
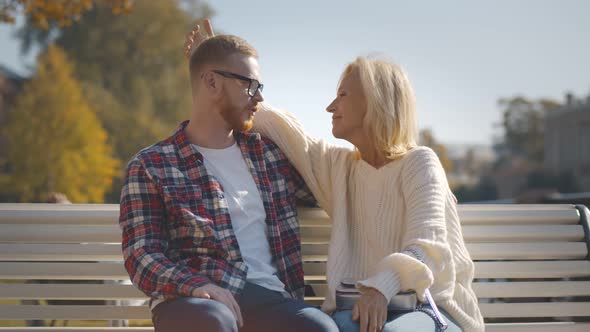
x,y
189,152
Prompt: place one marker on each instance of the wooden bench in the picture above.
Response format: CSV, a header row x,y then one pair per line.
x,y
532,265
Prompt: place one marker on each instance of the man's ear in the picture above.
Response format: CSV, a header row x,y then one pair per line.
x,y
212,84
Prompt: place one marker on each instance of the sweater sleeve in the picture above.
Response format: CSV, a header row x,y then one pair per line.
x,y
425,251
313,158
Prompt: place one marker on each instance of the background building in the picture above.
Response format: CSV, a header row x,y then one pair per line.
x,y
567,140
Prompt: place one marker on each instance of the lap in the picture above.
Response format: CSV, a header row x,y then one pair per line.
x,y
193,314
396,322
262,310
285,314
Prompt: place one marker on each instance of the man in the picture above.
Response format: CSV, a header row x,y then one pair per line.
x,y
208,215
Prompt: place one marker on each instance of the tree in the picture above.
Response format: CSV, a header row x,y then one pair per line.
x,y
55,140
522,121
427,139
43,13
132,68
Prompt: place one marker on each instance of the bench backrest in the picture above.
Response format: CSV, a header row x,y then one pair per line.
x,y
531,261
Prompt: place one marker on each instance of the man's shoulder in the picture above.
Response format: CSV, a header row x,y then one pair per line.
x,y
271,151
269,145
156,155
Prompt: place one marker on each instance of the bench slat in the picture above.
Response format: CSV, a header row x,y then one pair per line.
x,y
10,233
35,213
527,251
60,252
108,214
492,327
108,312
70,292
60,234
77,329
519,270
522,233
112,252
313,271
485,233
538,327
513,289
513,269
545,309
520,289
516,289
85,312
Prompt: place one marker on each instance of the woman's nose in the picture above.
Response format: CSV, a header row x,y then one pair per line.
x,y
331,108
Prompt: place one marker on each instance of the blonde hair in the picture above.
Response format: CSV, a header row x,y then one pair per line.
x,y
390,121
217,50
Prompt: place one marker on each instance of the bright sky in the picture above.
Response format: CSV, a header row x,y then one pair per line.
x,y
461,55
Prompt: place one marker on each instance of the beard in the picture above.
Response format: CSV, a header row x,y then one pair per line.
x,y
233,115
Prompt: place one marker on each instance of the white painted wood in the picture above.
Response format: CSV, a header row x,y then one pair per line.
x,y
519,289
538,327
95,271
522,233
314,248
47,235
60,252
112,252
28,233
11,233
493,327
90,271
520,217
313,217
544,309
513,269
512,289
65,271
519,269
77,329
70,292
315,232
527,251
483,233
79,214
85,312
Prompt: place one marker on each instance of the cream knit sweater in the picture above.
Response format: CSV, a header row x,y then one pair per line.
x,y
377,214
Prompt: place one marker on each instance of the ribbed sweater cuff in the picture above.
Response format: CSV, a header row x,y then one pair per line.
x,y
386,282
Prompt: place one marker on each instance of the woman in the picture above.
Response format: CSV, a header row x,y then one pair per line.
x,y
395,224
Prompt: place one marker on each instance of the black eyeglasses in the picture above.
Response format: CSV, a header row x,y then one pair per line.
x,y
253,86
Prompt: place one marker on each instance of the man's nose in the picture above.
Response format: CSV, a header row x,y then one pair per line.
x,y
258,96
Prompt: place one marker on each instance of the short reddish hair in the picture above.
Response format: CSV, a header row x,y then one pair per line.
x,y
217,50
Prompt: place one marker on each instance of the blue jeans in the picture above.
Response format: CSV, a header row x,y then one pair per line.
x,y
263,310
397,322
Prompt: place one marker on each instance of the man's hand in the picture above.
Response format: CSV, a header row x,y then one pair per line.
x,y
195,38
214,292
371,310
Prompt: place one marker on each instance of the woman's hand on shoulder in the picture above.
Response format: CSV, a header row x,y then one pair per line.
x,y
194,38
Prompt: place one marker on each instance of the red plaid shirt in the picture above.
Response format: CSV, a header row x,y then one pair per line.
x,y
177,231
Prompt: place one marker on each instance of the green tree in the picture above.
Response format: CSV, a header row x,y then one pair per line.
x,y
427,138
55,140
522,122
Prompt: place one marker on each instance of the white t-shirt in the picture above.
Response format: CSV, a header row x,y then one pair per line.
x,y
247,213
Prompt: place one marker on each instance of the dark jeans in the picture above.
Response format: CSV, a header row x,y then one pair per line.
x,y
262,310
